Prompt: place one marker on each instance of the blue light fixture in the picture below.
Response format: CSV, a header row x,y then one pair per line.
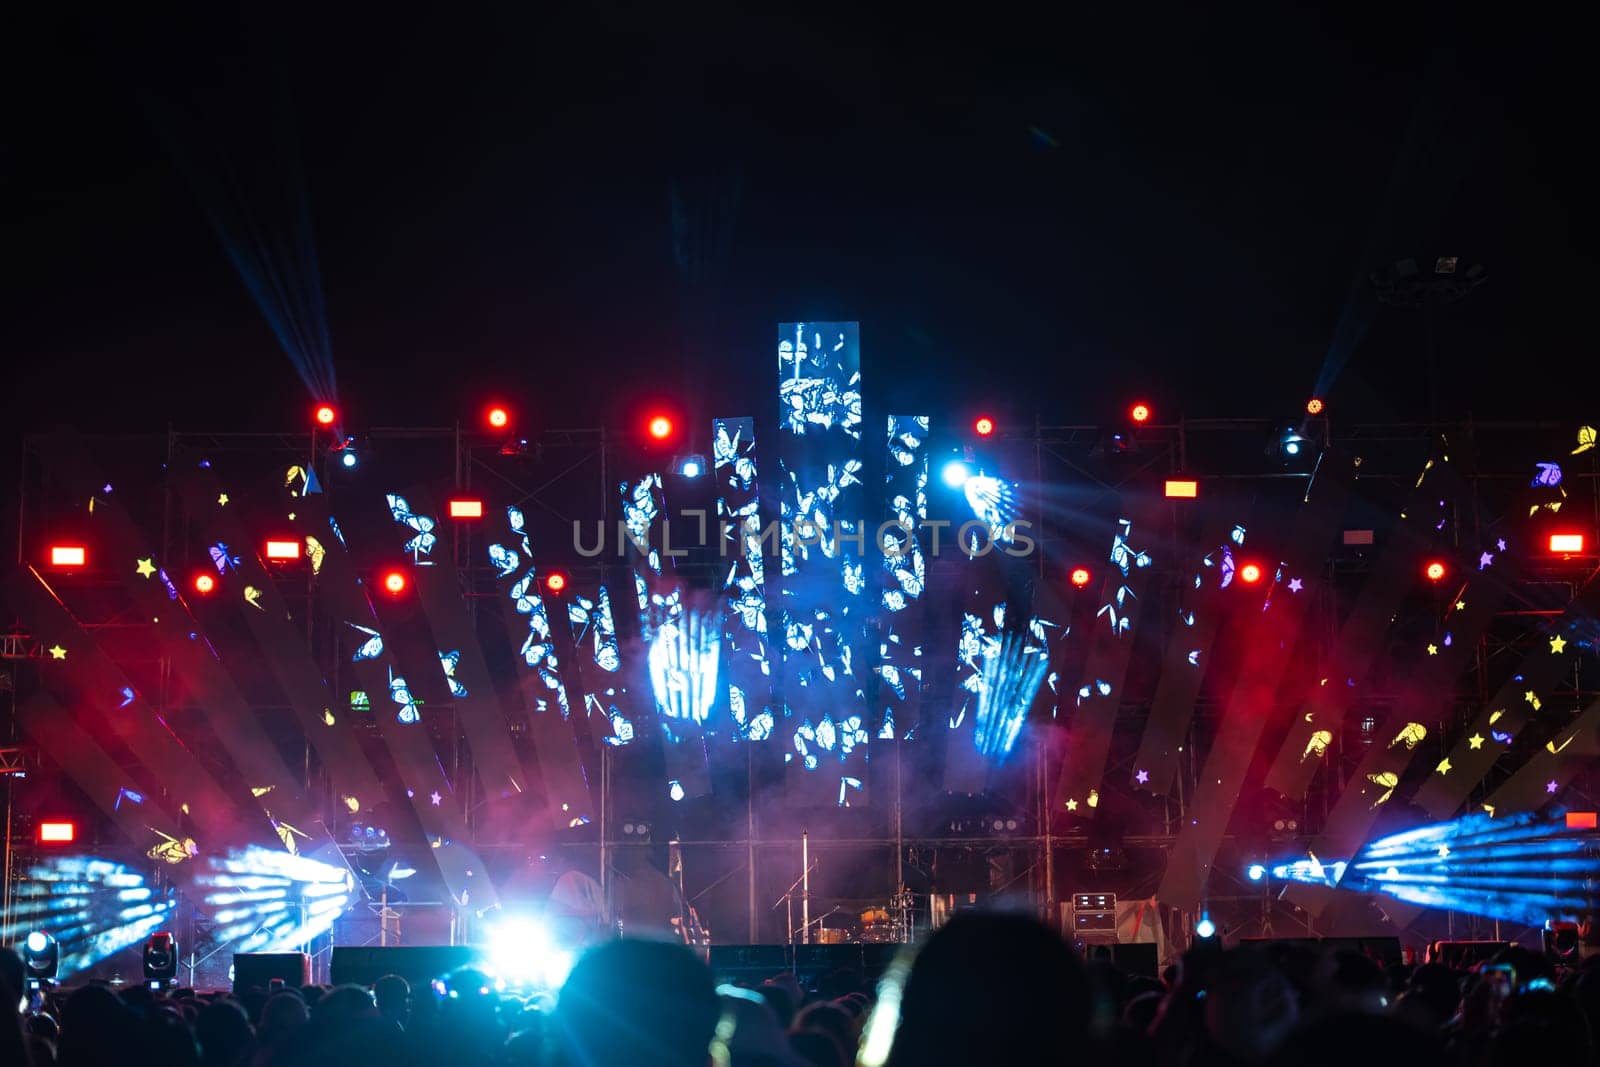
x,y
1205,929
349,460
955,474
1256,872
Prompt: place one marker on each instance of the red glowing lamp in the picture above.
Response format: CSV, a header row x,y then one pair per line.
x,y
1080,576
1314,406
204,583
1139,413
325,415
1250,573
57,832
1569,544
68,555
394,583
466,509
555,581
283,551
1583,820
659,427
498,417
1434,571
984,426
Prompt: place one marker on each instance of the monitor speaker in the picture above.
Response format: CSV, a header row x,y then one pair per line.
x,y
256,970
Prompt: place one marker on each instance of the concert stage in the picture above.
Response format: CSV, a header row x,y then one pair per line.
x,y
815,672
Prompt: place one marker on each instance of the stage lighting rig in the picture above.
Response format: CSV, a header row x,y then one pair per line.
x,y
41,957
1205,929
160,959
204,584
1080,576
325,415
983,426
497,417
692,466
1293,443
1140,413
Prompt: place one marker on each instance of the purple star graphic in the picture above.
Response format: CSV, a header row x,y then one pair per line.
x,y
1142,777
435,798
1484,560
1551,786
1501,544
1295,585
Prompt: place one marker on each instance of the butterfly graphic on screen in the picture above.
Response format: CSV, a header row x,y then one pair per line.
x,y
422,544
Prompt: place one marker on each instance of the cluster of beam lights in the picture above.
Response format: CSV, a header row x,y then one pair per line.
x,y
1519,868
92,907
265,900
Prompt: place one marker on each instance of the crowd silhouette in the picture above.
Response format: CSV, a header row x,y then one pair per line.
x,y
983,989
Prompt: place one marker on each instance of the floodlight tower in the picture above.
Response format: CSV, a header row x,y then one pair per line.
x,y
1404,284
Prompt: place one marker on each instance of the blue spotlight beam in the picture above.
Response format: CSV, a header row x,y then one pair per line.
x,y
1202,604
134,559
1360,639
1271,640
286,651
1125,587
94,908
476,703
823,582
1517,868
1403,731
86,679
900,659
749,656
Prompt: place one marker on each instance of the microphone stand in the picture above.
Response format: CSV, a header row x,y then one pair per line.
x,y
788,898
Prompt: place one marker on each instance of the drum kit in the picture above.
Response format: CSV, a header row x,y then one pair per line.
x,y
889,923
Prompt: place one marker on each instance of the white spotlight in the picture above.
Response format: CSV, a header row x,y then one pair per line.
x,y
956,474
522,952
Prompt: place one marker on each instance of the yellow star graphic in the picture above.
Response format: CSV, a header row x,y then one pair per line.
x,y
1444,766
1475,741
222,501
57,652
1072,805
1558,643
1444,852
1461,605
146,567
1530,696
1433,650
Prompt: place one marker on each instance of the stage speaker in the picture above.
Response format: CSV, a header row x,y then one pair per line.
x,y
417,964
748,963
254,970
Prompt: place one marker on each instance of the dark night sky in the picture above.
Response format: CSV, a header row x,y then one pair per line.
x,y
490,195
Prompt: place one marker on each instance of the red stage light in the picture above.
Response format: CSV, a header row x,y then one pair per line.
x,y
1183,488
660,427
395,582
57,833
498,417
984,426
1569,544
283,550
466,509
68,555
1140,413
1583,820
204,583
1080,576
1250,573
1435,571
555,581
325,415
1314,406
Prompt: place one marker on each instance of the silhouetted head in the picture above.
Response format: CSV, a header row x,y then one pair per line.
x,y
981,990
638,1002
